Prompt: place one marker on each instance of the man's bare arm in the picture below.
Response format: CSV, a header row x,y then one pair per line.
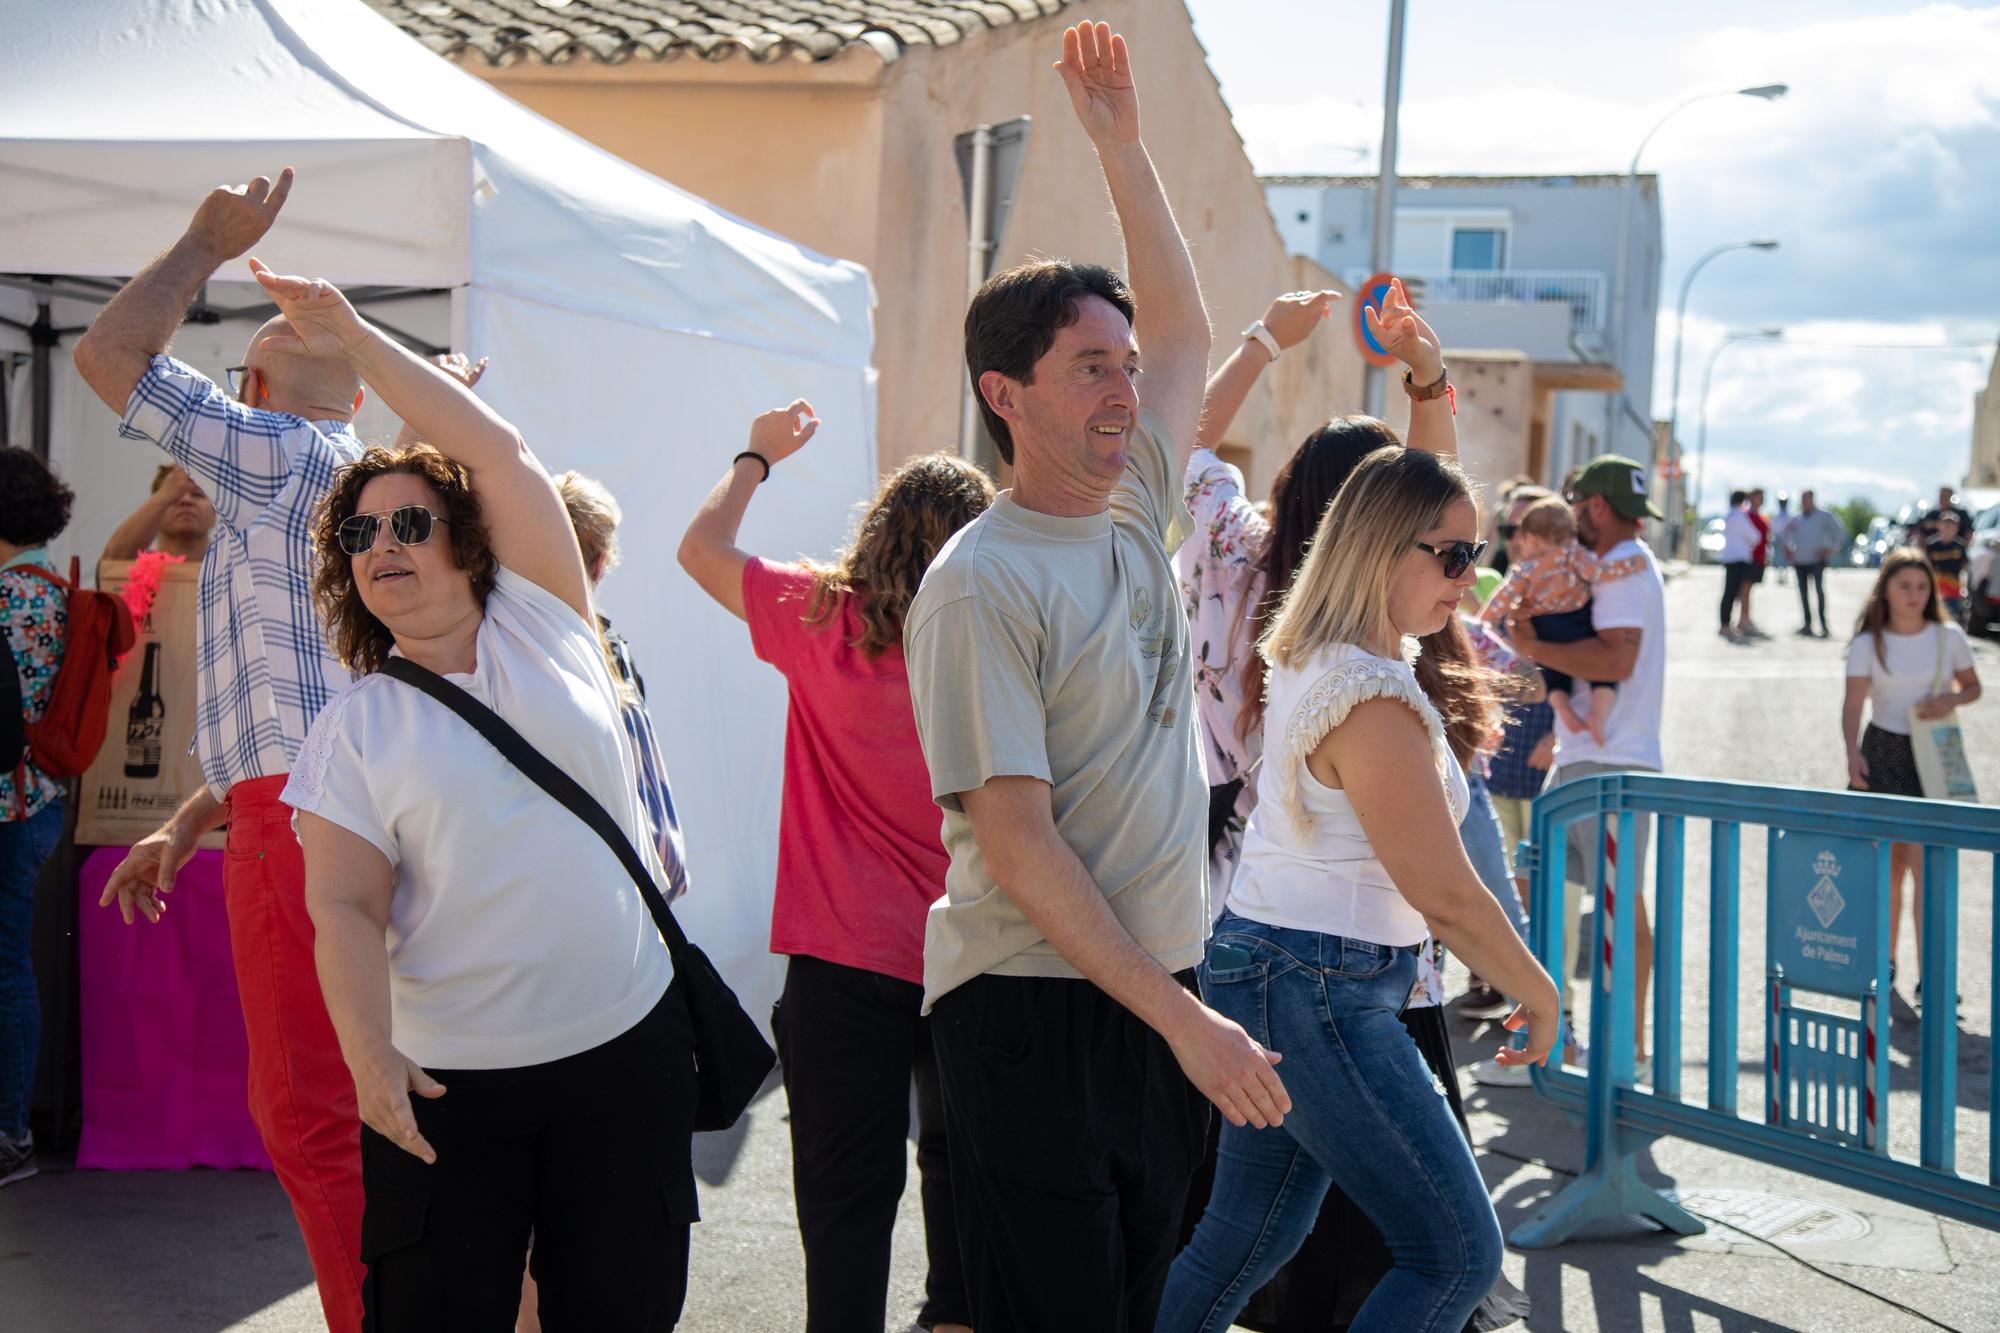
x,y
1038,871
1608,655
139,323
1172,323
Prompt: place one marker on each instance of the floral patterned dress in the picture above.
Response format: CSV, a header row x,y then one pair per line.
x,y
1220,582
33,617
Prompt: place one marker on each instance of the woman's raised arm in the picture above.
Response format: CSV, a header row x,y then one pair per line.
x,y
708,549
525,518
1381,756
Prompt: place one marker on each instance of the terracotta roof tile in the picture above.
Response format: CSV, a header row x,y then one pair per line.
x,y
613,31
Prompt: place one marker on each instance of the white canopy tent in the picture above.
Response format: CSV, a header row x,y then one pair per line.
x,y
633,329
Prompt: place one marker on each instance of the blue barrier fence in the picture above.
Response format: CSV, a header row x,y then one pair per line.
x,y
1826,1005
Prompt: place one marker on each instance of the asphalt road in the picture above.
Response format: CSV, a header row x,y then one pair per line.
x,y
212,1251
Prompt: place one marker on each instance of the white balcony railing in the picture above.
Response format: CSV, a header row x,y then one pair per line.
x,y
1581,290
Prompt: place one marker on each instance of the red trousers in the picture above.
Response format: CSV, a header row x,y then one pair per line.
x,y
301,1094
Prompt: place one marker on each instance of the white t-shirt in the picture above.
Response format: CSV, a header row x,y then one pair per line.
x,y
1632,732
1912,670
1307,864
515,935
1739,537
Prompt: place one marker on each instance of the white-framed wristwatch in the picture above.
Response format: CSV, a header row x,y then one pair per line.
x,y
1260,335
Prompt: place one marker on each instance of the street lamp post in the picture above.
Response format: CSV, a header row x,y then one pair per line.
x,y
1615,341
1701,427
1381,241
1677,503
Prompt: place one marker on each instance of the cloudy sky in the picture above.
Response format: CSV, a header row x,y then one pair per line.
x,y
1879,173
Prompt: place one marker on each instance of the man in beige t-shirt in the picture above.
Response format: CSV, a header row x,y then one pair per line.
x,y
1048,661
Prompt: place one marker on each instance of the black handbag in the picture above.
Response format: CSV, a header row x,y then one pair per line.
x,y
731,1057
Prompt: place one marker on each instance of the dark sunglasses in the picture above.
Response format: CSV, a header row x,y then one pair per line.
x,y
409,525
1457,556
1507,531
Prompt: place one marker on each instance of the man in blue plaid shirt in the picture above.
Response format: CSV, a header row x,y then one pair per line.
x,y
266,454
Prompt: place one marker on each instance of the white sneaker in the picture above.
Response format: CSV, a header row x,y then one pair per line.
x,y
1496,1075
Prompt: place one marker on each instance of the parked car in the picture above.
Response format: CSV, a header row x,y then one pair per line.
x,y
1982,573
1881,536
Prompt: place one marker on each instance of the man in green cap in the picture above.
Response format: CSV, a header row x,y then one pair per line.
x,y
1609,495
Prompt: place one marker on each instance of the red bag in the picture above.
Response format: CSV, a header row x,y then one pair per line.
x,y
66,738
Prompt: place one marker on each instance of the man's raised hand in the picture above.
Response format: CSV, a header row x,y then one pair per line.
x,y
460,367
1097,70
235,217
783,431
1402,333
323,323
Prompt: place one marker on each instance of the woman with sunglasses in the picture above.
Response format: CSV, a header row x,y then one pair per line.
x,y
501,994
1349,865
1233,574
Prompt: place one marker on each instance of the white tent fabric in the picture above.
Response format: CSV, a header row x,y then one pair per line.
x,y
633,328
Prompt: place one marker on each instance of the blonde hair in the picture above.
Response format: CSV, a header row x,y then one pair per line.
x,y
595,515
1551,519
1341,592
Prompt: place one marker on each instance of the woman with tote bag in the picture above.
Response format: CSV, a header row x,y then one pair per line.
x,y
1914,669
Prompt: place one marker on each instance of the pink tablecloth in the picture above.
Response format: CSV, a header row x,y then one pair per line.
x,y
165,1066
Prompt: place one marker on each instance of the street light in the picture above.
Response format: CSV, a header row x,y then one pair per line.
x,y
1677,504
1701,428
1615,344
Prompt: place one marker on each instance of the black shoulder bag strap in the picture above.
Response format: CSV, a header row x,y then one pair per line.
x,y
544,774
731,1056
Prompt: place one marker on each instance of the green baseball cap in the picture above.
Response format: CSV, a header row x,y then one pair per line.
x,y
1620,481
1487,582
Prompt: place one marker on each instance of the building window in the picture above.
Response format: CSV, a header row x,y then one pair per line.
x,y
1478,249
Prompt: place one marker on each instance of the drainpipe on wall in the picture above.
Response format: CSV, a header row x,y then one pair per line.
x,y
979,247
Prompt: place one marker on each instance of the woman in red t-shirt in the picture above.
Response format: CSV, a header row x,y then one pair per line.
x,y
1760,558
860,860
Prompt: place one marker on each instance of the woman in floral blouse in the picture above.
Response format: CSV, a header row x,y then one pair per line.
x,y
34,508
1234,571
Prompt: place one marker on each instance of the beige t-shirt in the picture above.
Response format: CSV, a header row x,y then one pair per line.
x,y
1056,648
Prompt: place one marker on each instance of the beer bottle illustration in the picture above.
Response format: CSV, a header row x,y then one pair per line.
x,y
145,726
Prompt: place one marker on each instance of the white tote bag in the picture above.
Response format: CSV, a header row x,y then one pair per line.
x,y
1939,745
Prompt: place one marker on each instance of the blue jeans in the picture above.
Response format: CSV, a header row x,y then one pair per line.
x,y
24,845
1366,1114
1485,847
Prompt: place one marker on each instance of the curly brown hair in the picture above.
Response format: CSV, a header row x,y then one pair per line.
x,y
916,510
358,639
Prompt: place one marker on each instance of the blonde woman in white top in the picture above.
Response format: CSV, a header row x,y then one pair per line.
x,y
1350,861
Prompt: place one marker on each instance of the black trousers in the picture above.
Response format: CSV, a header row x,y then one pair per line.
x,y
850,1041
1811,578
1736,575
588,1153
1073,1137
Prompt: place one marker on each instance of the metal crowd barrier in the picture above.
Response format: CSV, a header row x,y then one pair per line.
x,y
1826,1002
